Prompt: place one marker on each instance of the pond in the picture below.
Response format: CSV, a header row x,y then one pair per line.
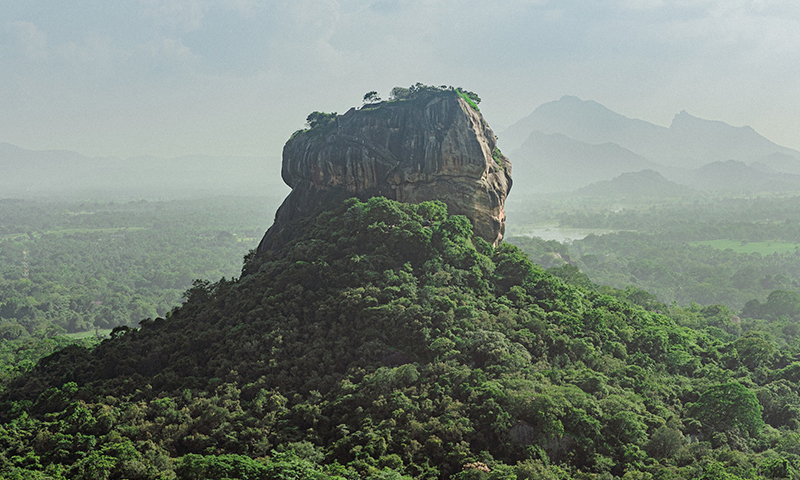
x,y
554,232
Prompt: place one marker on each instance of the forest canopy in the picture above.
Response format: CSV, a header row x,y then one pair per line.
x,y
388,342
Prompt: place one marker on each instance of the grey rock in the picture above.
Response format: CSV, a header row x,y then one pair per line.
x,y
430,147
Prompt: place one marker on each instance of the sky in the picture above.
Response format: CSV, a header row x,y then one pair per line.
x,y
237,77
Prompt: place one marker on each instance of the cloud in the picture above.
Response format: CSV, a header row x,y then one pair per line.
x,y
170,54
290,57
181,15
189,15
97,50
24,39
744,29
640,4
171,49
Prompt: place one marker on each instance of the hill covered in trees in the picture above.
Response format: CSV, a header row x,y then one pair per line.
x,y
389,342
704,250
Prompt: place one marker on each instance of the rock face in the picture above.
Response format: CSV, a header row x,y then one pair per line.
x,y
433,146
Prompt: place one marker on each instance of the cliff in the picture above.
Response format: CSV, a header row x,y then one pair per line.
x,y
430,146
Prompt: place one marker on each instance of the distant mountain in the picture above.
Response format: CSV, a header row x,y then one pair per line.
x,y
694,142
60,172
778,162
556,163
645,183
738,177
688,143
583,120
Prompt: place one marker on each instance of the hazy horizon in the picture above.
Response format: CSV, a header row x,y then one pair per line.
x,y
236,78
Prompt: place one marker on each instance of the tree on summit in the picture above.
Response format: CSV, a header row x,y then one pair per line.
x,y
399,93
316,119
372,97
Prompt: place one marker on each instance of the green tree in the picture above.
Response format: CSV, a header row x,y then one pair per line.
x,y
319,119
728,407
372,97
755,350
572,275
399,93
665,442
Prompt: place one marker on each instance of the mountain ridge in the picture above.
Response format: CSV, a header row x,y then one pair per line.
x,y
549,163
675,151
591,122
583,120
644,183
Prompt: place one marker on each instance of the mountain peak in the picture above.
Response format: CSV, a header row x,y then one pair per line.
x,y
572,99
688,143
570,104
684,118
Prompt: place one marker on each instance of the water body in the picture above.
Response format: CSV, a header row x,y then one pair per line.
x,y
559,234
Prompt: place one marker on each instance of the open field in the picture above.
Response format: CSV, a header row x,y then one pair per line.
x,y
763,248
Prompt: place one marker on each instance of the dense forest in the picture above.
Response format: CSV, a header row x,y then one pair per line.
x,y
389,343
101,265
705,250
96,265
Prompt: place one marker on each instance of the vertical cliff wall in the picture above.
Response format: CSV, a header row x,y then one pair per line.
x,y
433,146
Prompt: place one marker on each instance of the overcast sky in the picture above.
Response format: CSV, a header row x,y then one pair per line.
x,y
237,77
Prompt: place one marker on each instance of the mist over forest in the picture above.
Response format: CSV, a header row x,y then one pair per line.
x,y
397,240
52,173
641,318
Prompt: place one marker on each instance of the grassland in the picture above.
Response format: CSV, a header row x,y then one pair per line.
x,y
763,248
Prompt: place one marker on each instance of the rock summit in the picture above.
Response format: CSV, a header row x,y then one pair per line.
x,y
432,144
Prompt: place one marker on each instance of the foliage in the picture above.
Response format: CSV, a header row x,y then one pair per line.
x,y
779,304
399,93
724,408
320,119
419,90
101,265
372,97
471,98
670,250
387,342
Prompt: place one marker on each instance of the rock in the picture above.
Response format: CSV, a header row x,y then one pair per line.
x,y
431,146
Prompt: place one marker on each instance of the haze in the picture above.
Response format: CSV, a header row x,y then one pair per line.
x,y
181,77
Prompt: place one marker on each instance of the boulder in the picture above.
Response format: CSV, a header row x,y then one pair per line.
x,y
431,146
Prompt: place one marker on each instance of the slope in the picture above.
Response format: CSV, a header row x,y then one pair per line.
x,y
389,341
645,183
694,142
737,177
586,121
556,163
688,143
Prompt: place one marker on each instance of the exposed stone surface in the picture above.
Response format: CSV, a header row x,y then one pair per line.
x,y
431,147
